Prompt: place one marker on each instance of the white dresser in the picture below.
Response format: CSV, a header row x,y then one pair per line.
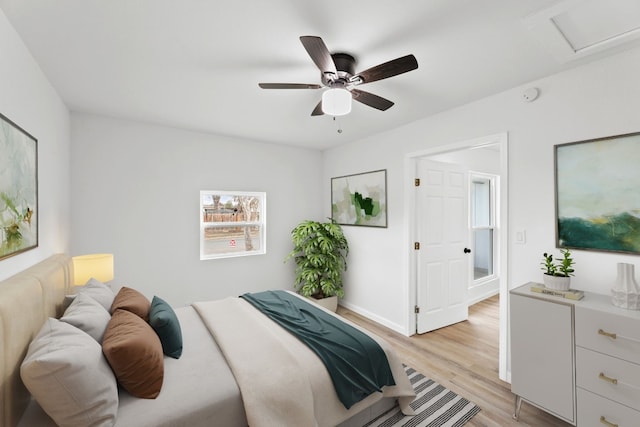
x,y
578,360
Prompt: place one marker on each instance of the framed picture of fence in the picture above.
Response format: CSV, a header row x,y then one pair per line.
x,y
360,199
598,194
18,189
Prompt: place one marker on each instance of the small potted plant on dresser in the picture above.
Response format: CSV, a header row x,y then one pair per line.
x,y
557,276
320,253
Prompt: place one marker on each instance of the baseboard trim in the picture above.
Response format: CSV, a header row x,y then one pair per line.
x,y
484,296
375,318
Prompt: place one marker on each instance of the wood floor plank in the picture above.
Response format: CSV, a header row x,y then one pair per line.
x,y
464,358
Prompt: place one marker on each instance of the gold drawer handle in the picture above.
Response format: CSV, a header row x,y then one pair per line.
x,y
604,421
607,379
607,334
615,336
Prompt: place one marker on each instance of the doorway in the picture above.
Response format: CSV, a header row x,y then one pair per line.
x,y
472,156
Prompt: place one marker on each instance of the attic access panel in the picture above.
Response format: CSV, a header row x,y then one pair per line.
x,y
574,29
592,22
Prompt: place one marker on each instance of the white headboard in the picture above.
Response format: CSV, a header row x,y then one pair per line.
x,y
26,301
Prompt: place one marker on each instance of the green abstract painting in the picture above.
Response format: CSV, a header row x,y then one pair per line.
x,y
360,199
18,189
598,194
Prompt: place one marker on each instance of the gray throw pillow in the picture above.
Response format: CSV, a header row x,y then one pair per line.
x,y
99,292
88,315
66,373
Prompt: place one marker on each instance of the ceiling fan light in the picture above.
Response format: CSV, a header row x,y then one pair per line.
x,y
336,102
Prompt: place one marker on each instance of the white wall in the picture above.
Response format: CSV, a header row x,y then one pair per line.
x,y
136,194
594,100
483,160
28,99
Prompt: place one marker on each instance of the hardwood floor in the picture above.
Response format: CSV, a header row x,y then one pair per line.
x,y
464,358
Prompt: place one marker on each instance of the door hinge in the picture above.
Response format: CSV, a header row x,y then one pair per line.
x,y
416,182
416,246
416,310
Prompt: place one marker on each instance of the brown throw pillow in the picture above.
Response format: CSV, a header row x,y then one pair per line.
x,y
134,352
131,300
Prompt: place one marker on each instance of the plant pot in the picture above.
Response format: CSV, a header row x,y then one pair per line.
x,y
330,303
557,283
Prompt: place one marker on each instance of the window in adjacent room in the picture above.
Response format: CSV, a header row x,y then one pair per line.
x,y
483,225
232,223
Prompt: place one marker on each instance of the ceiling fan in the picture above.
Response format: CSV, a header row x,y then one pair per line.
x,y
338,75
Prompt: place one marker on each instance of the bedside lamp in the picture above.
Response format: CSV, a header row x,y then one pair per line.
x,y
98,266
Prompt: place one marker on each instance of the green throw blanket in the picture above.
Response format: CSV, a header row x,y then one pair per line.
x,y
355,362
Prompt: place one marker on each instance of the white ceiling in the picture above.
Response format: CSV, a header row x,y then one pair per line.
x,y
196,64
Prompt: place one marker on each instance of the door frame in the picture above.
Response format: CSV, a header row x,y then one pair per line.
x,y
410,167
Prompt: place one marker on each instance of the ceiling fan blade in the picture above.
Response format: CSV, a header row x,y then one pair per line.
x,y
319,53
371,100
318,110
388,69
289,86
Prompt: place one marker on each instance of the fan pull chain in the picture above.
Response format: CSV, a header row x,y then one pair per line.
x,y
338,124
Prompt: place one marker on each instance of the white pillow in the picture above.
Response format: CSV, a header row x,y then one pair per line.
x,y
99,292
67,374
87,314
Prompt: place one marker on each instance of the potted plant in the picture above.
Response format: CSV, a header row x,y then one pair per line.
x,y
558,275
320,253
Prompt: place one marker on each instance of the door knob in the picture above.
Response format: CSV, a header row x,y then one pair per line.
x,y
467,250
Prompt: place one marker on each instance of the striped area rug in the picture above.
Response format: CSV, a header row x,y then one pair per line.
x,y
434,405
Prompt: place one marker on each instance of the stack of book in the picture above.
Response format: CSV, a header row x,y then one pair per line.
x,y
569,294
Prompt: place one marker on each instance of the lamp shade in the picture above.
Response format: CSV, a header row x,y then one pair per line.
x,y
98,266
336,102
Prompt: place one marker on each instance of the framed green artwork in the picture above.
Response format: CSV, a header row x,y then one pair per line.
x,y
18,189
598,194
360,199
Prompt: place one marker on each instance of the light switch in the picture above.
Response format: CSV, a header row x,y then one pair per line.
x,y
521,237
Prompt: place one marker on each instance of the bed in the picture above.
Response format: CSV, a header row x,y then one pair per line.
x,y
201,385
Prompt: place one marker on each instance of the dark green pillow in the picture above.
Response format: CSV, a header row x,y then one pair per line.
x,y
163,320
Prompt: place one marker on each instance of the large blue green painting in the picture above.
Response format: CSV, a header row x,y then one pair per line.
x,y
18,189
360,199
598,194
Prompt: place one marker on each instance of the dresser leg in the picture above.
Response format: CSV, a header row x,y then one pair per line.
x,y
518,405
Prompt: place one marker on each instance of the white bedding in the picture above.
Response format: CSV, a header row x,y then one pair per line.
x,y
200,389
282,381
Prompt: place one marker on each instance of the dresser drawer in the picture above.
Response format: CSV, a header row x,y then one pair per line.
x,y
610,377
596,411
616,333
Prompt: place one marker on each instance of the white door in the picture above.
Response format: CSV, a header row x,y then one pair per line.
x,y
443,235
